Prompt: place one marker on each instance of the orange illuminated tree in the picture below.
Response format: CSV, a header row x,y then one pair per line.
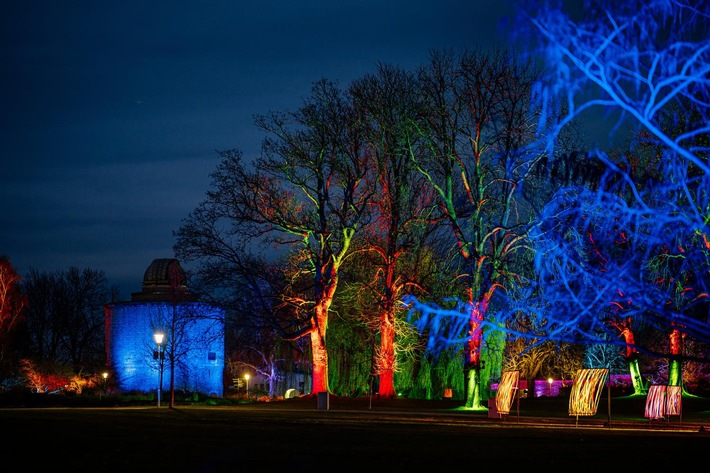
x,y
305,196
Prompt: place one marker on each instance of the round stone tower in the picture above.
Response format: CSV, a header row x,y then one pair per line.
x,y
193,330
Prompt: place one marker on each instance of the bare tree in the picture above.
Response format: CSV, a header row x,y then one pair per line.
x,y
234,273
306,194
478,130
649,63
387,106
64,322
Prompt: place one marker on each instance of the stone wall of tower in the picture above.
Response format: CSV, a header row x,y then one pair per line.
x,y
198,338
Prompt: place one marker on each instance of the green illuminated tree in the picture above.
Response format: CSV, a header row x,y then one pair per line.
x,y
476,129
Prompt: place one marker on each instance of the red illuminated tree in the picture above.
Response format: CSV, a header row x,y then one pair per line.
x,y
12,303
386,104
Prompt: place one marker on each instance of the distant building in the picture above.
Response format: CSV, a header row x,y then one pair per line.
x,y
193,331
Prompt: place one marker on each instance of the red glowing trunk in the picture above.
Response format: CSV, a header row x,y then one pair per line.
x,y
385,359
473,355
318,350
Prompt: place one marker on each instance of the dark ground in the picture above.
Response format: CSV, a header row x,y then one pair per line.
x,y
352,435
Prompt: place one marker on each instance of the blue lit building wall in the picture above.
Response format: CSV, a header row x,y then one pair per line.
x,y
198,346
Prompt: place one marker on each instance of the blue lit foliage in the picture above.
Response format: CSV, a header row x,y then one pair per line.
x,y
448,325
637,245
444,326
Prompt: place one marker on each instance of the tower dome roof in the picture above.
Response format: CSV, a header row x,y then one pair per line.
x,y
164,280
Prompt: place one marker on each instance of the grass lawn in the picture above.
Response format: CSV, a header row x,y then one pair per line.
x,y
363,433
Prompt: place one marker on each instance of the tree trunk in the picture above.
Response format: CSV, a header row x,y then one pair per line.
x,y
319,351
636,378
473,390
675,364
473,358
385,362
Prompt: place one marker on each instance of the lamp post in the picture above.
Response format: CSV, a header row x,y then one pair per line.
x,y
159,337
246,378
549,382
105,376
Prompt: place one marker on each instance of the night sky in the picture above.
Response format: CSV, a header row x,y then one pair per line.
x,y
113,112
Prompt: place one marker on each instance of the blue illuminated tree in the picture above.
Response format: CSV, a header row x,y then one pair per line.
x,y
630,249
639,241
650,62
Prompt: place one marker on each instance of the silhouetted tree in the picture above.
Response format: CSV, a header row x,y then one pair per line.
x,y
64,323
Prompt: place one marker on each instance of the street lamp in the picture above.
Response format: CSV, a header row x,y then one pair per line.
x,y
549,382
246,377
105,376
159,337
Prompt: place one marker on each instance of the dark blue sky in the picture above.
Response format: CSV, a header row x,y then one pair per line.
x,y
112,112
